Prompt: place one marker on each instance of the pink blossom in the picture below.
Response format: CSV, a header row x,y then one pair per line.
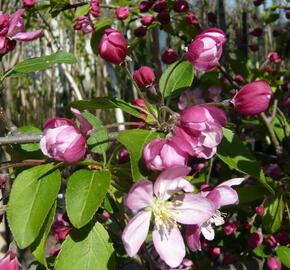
x,y
206,49
273,264
260,211
144,76
95,8
12,29
275,58
211,17
123,156
29,3
122,13
200,130
54,251
61,227
190,97
113,46
181,6
153,201
63,141
169,56
253,98
191,18
140,31
271,241
221,195
230,227
9,262
144,6
84,24
160,5
163,16
162,154
255,239
147,20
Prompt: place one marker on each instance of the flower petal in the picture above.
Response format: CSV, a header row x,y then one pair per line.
x,y
169,245
208,232
135,232
28,36
85,125
192,233
227,195
172,180
232,182
140,195
193,209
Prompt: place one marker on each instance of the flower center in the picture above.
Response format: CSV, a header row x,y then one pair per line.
x,y
217,219
163,214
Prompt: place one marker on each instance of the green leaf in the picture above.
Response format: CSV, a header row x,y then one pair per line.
x,y
30,147
87,249
135,140
284,255
98,140
251,193
85,192
100,28
33,193
104,103
40,63
179,75
272,17
237,156
273,216
38,248
82,10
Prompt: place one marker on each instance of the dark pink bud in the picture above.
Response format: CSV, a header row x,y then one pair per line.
x,y
144,6
84,24
230,227
2,181
260,211
205,51
199,167
269,69
191,18
139,102
214,253
283,238
276,33
95,8
123,156
229,259
273,170
257,32
211,17
6,45
4,23
147,20
106,215
61,228
54,251
253,98
239,79
187,262
160,5
140,31
274,57
113,47
122,13
273,264
255,240
248,224
181,6
28,3
169,56
9,262
163,17
271,241
258,2
144,76
254,47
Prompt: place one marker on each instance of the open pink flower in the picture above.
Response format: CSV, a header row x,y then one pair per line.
x,y
161,202
9,262
221,195
200,130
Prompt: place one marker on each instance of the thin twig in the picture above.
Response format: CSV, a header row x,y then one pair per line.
x,y
23,163
228,77
20,139
273,115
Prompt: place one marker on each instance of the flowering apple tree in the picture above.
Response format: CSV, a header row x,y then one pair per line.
x,y
192,173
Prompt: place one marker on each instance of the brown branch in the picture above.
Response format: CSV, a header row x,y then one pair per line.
x,y
23,163
20,139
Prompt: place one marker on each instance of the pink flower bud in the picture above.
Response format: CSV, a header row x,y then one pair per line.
x,y
84,24
113,47
239,79
169,56
228,259
140,103
248,224
206,49
144,76
147,20
123,156
211,17
105,215
273,170
273,264
28,3
95,8
2,181
199,167
181,6
253,98
255,240
163,17
4,23
54,251
260,211
9,262
257,32
230,227
122,13
274,57
140,31
160,5
61,227
63,141
271,241
191,18
144,6
269,69
283,238
214,253
163,154
6,45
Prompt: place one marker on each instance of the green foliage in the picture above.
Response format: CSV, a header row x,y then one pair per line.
x,y
82,11
135,140
178,75
30,147
87,249
237,156
284,255
33,193
85,192
273,216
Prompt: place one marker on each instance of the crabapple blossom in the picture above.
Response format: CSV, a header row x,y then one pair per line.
x,y
122,13
9,262
144,76
169,56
